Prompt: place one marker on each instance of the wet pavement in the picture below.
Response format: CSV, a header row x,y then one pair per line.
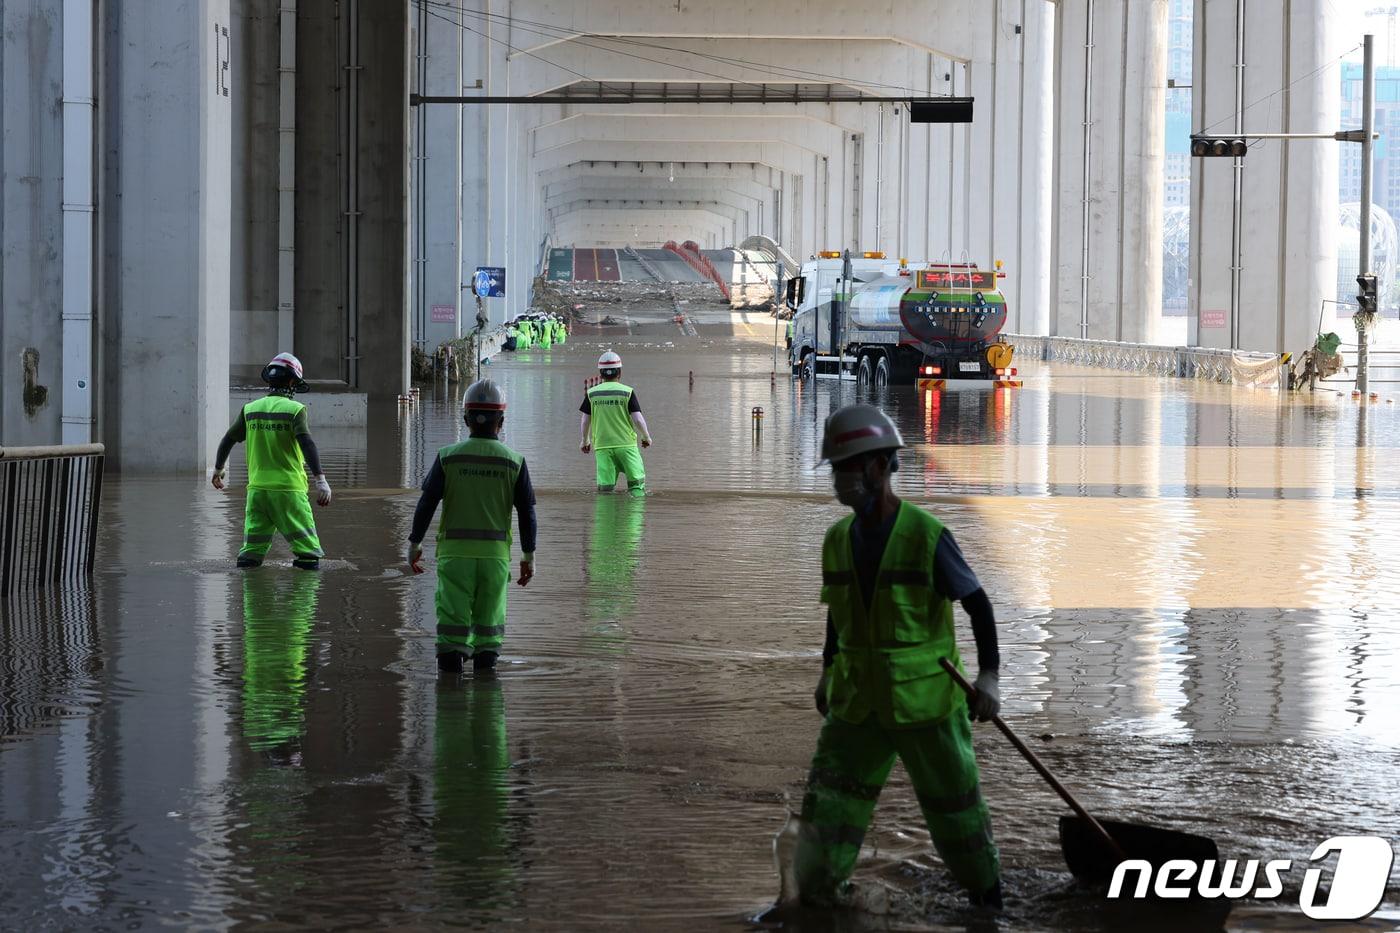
x,y
1196,587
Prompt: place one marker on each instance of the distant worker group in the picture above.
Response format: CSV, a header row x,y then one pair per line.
x,y
535,330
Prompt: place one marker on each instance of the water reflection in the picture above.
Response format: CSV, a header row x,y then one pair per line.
x,y
278,613
477,845
610,573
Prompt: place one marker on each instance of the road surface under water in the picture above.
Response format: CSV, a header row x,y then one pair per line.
x,y
1196,588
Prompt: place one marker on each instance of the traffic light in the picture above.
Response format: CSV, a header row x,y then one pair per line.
x,y
1204,146
1366,298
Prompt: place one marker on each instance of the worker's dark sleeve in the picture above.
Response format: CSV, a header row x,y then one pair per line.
x,y
586,407
832,646
236,434
433,485
952,577
632,404
984,629
309,451
525,509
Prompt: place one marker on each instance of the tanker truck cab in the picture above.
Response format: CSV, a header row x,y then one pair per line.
x,y
810,297
899,323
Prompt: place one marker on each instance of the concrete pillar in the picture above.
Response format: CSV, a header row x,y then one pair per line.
x,y
352,224
31,231
1032,288
253,236
166,203
436,213
1288,246
1126,76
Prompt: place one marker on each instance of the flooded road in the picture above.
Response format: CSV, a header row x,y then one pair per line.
x,y
1196,588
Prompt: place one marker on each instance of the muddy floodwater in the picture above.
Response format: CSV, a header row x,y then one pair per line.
x,y
1196,587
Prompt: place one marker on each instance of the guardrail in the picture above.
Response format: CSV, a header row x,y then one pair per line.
x,y
1385,367
1231,367
49,497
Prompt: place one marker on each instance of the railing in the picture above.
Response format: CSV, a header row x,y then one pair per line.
x,y
49,497
1385,367
690,252
1233,367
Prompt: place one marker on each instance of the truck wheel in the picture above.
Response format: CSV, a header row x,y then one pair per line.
x,y
865,373
807,367
882,371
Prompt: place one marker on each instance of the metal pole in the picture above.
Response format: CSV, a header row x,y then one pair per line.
x,y
1362,318
1237,215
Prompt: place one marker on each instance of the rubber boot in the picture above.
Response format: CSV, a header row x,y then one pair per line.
x,y
990,899
250,562
303,562
450,662
484,661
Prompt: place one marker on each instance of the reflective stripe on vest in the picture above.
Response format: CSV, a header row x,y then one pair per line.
x,y
478,496
275,459
889,651
611,423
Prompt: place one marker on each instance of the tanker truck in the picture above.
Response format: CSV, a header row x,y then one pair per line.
x,y
897,323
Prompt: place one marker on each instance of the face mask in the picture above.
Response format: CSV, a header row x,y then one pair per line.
x,y
854,489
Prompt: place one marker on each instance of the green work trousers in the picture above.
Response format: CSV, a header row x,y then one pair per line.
x,y
849,770
471,603
614,460
270,511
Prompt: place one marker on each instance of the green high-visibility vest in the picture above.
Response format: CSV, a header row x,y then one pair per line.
x,y
275,460
477,498
889,651
611,424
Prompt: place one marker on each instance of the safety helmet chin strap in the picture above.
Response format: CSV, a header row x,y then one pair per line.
x,y
284,391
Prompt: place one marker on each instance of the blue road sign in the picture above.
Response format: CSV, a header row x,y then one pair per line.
x,y
489,281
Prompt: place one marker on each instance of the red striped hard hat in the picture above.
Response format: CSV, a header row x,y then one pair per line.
x,y
484,396
610,360
288,361
856,430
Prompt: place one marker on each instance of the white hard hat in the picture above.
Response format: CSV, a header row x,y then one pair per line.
x,y
610,360
856,430
288,362
484,395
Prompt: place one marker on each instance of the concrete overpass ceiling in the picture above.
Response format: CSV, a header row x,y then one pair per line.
x,y
778,156
952,25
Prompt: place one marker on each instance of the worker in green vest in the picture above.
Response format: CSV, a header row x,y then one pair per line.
x,y
546,334
478,482
561,332
280,449
612,426
890,575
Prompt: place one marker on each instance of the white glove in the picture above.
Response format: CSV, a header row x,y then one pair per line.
x,y
987,702
323,490
415,556
218,478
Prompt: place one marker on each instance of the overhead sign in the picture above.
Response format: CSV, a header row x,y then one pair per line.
x,y
929,279
489,281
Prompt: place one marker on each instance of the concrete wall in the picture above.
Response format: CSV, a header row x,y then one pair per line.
x,y
31,223
352,247
253,319
1287,247
1125,72
166,206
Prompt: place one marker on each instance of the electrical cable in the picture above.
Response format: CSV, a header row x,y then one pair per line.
x,y
1275,93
